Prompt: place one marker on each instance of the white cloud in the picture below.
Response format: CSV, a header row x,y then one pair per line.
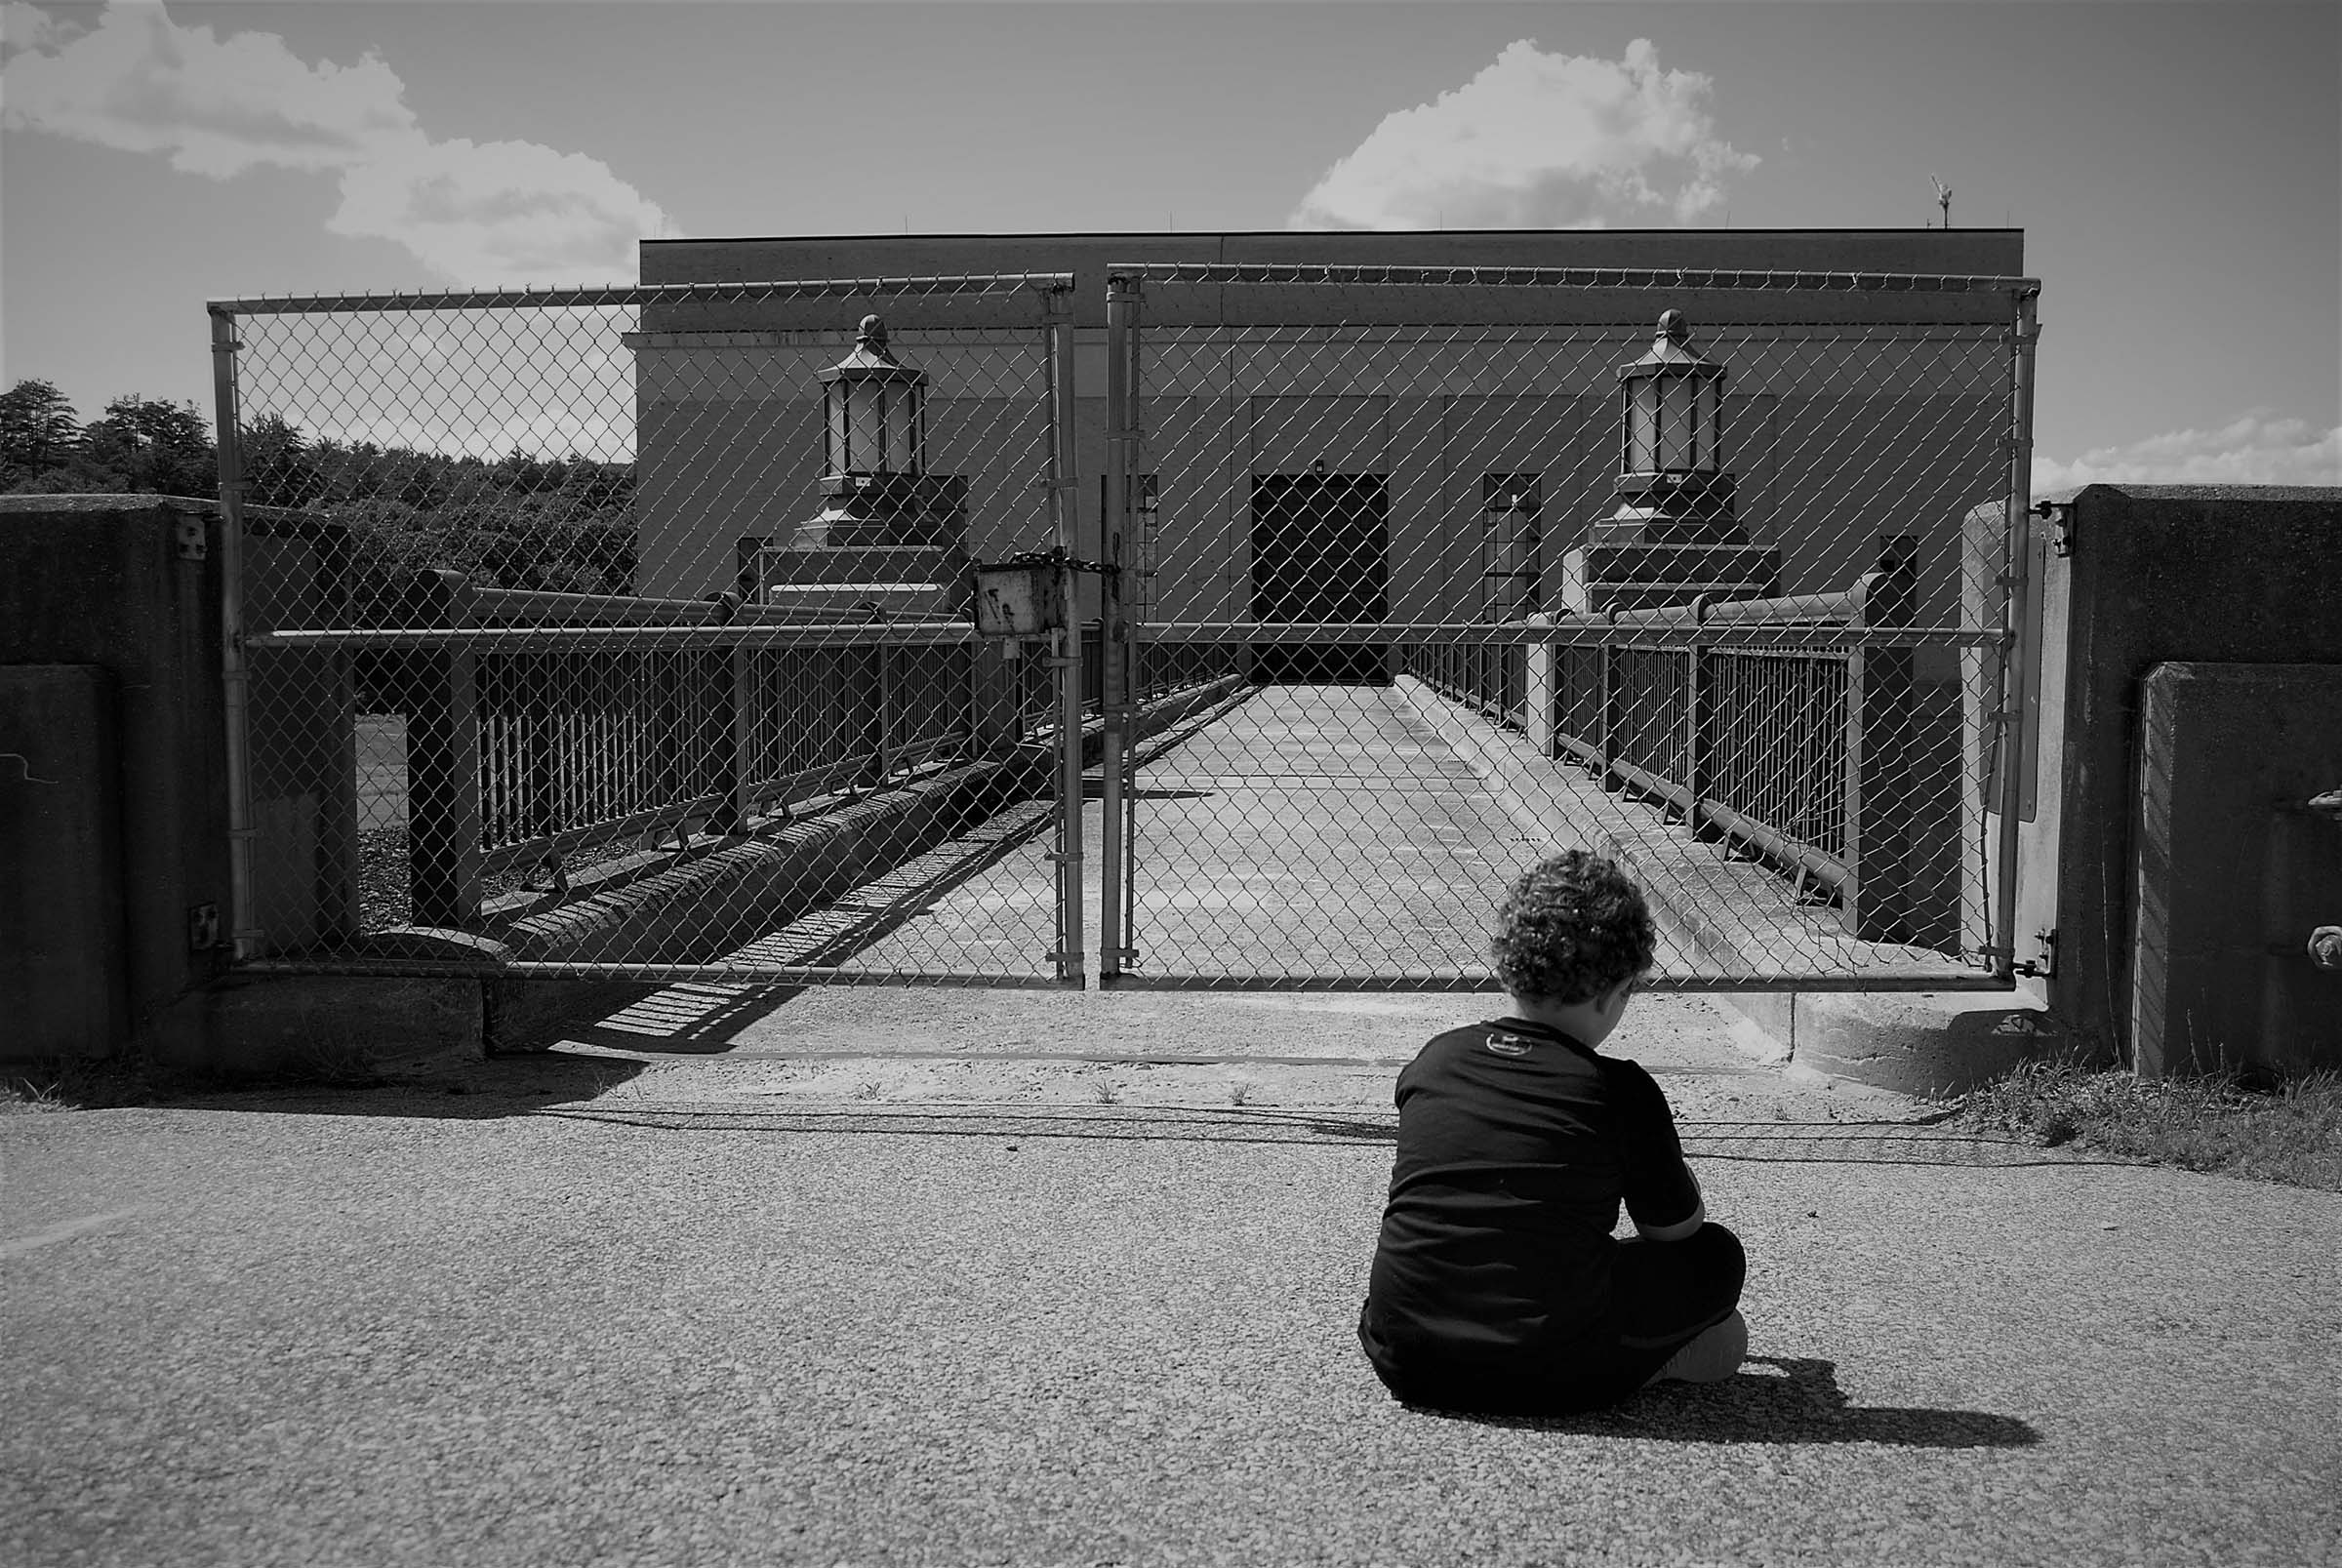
x,y
1538,140
27,26
498,213
2257,448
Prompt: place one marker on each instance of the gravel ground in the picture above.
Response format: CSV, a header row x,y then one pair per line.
x,y
590,1310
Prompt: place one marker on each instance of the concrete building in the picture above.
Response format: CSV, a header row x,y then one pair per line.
x,y
1846,416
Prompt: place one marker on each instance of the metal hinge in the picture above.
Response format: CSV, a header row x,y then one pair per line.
x,y
2045,966
2060,514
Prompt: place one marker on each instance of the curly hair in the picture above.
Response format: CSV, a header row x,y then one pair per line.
x,y
1571,928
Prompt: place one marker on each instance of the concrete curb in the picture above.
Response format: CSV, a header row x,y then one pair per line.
x,y
1930,1043
1936,1044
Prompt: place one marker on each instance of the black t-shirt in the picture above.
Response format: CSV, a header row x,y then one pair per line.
x,y
1517,1144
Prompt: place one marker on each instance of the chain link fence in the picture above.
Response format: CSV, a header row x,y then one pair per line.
x,y
1703,571
627,628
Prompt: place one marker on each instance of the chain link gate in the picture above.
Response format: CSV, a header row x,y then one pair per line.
x,y
627,629
1709,572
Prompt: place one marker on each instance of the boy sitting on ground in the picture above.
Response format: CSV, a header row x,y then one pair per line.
x,y
1497,1285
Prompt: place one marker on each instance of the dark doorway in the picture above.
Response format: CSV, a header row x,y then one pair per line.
x,y
1320,552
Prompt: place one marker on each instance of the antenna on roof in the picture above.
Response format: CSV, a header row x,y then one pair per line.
x,y
1943,200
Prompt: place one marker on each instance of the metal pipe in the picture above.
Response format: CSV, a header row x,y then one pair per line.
x,y
235,676
2019,600
523,638
1782,640
1753,637
1058,338
751,974
1571,277
670,293
1949,980
647,972
1114,525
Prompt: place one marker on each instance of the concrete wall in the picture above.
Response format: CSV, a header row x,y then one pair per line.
x,y
63,986
1820,427
2230,872
102,582
2240,575
128,589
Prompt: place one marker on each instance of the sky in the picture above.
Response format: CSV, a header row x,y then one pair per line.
x,y
2176,169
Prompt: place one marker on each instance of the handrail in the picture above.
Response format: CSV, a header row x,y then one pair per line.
x,y
1844,692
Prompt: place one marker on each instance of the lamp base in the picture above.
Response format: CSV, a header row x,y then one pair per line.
x,y
883,509
1671,508
900,579
1642,575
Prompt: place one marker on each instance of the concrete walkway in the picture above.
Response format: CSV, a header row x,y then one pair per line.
x,y
883,1277
1357,834
1308,832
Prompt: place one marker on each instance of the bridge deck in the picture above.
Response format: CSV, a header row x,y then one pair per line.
x,y
1320,834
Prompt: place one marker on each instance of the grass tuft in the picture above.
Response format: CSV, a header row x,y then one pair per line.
x,y
79,1084
330,1057
2287,1132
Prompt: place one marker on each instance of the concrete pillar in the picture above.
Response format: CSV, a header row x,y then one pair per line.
x,y
1544,694
2233,871
63,987
130,584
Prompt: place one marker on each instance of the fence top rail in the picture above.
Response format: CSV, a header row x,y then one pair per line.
x,y
1593,633
977,284
1575,631
624,637
1571,277
526,608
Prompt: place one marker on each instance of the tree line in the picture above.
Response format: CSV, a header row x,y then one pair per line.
x,y
520,521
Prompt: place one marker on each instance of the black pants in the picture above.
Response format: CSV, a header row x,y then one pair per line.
x,y
1662,1295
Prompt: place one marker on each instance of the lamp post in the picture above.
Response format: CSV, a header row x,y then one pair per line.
x,y
1672,484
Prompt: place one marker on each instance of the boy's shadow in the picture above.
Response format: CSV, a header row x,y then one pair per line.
x,y
1772,1399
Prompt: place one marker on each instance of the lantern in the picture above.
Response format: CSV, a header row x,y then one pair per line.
x,y
1671,433
874,411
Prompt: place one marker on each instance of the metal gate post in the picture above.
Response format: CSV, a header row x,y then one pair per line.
x,y
1064,515
1114,529
2019,606
235,672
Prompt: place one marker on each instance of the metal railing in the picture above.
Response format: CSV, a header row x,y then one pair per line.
x,y
540,729
1807,755
607,721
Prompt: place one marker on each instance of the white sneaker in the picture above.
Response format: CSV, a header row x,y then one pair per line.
x,y
1712,1358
